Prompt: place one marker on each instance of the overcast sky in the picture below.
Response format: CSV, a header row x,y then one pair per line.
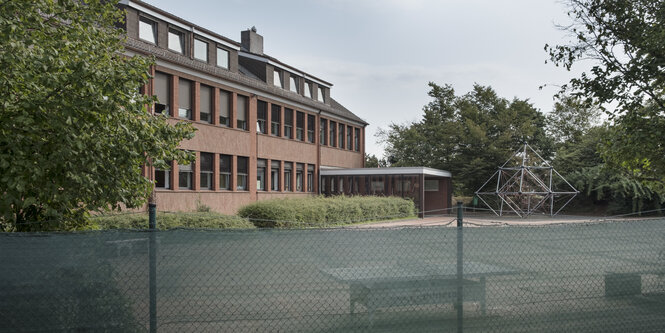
x,y
380,54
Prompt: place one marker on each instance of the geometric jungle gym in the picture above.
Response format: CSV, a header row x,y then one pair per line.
x,y
526,184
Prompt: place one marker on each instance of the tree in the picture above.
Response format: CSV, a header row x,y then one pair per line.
x,y
470,135
74,129
570,119
371,161
624,38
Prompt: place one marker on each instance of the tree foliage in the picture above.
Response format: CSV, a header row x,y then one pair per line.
x,y
570,119
625,40
371,161
74,130
470,135
583,165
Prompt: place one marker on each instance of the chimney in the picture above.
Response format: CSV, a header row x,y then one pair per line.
x,y
251,41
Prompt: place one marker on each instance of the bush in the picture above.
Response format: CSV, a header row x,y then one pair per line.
x,y
206,220
325,211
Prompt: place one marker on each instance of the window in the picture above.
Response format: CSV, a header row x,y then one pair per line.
x,y
148,30
163,177
261,175
200,50
341,136
349,134
222,58
242,173
300,123
185,175
206,171
288,171
224,108
277,79
224,172
310,178
319,96
323,132
205,110
288,123
323,184
308,90
176,41
275,120
431,185
299,177
184,99
333,134
310,128
274,175
261,111
356,139
162,92
293,83
241,110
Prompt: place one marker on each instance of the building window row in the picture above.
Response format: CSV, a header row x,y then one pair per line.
x,y
292,122
339,135
284,176
177,41
272,119
294,85
292,173
206,99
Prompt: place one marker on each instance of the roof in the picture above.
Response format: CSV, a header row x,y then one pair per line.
x,y
386,171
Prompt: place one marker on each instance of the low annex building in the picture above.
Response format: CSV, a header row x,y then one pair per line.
x,y
430,189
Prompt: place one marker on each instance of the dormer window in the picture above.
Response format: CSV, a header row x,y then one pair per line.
x,y
319,96
200,50
293,84
308,90
148,30
222,58
277,79
176,41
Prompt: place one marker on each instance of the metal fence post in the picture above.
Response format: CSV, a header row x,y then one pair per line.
x,y
460,268
152,224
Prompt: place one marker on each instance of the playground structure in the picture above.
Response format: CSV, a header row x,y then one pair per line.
x,y
526,184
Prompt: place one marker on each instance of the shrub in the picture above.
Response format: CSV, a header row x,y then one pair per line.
x,y
206,220
325,211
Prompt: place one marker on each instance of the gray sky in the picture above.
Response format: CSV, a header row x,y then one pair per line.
x,y
380,54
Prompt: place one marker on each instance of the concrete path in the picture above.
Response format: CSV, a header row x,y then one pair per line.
x,y
475,219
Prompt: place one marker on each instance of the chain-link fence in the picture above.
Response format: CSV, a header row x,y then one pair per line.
x,y
594,277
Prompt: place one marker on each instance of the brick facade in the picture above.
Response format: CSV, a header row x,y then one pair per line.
x,y
248,76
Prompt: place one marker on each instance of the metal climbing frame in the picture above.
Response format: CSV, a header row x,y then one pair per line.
x,y
526,184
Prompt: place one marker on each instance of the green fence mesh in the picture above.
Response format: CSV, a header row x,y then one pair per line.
x,y
570,278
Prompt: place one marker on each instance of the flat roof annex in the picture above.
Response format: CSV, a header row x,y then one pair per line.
x,y
385,171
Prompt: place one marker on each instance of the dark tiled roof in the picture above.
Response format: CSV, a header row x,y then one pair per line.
x,y
240,78
344,112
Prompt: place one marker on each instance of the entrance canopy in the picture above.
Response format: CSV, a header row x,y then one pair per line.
x,y
430,189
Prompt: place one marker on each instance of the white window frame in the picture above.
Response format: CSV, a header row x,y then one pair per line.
x,y
197,53
225,55
153,28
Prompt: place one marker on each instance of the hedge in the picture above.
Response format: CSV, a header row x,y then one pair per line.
x,y
205,220
325,211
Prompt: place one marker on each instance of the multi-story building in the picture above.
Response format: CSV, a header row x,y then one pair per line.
x,y
265,129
